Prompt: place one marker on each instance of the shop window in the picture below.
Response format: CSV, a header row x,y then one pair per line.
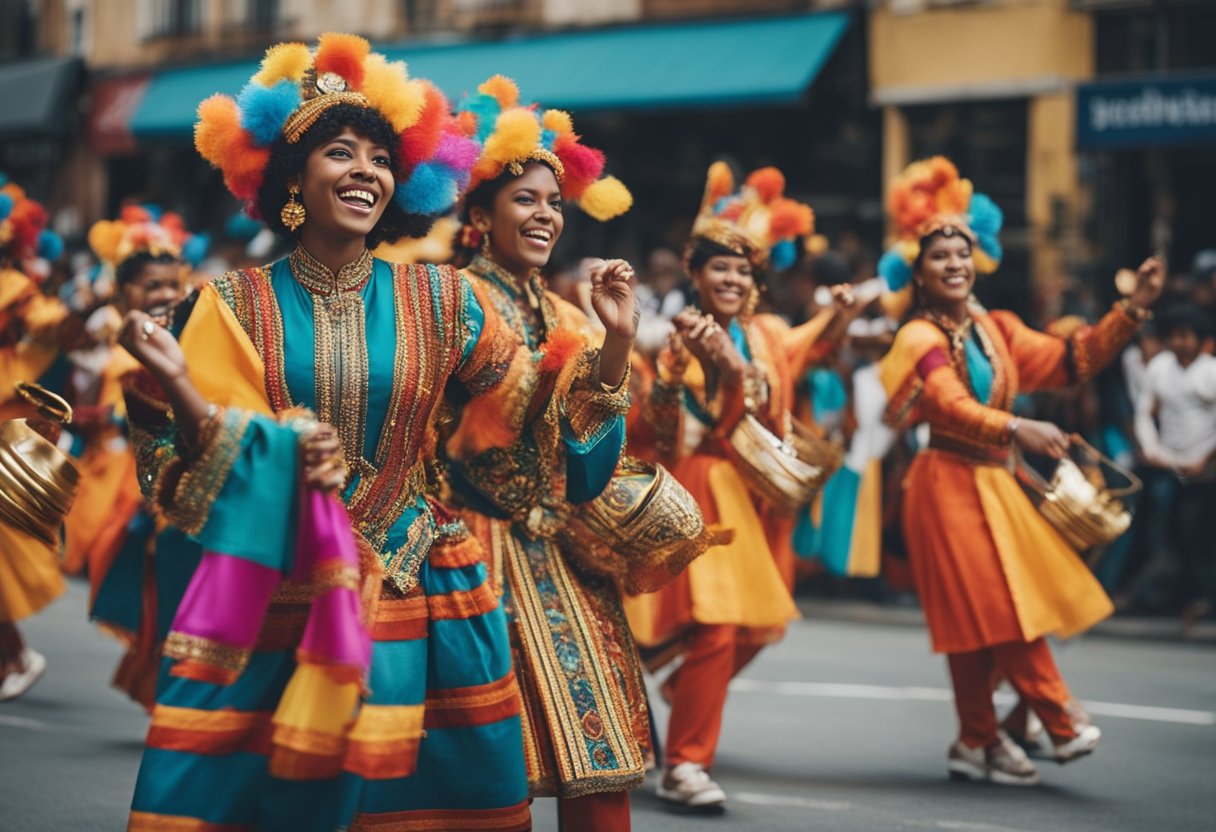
x,y
169,18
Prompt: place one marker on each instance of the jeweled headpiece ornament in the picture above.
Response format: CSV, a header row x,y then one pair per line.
x,y
511,134
294,88
758,222
930,196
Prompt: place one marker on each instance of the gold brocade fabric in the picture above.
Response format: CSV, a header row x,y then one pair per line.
x,y
586,725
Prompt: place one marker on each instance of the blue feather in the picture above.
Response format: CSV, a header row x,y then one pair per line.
x,y
547,138
783,255
50,245
6,206
195,249
895,270
986,219
264,110
487,110
431,189
154,210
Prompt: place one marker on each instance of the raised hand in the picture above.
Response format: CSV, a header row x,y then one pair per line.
x,y
153,346
612,298
1150,280
1039,437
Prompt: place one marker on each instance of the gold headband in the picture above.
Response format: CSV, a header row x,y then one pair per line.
x,y
516,166
729,236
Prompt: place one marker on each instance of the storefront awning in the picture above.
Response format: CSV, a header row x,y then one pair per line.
x,y
115,100
770,60
35,94
1149,112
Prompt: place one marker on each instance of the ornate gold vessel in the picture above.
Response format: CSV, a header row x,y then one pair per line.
x,y
787,472
37,480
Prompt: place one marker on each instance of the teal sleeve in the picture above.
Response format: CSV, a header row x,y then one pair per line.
x,y
254,513
472,322
590,465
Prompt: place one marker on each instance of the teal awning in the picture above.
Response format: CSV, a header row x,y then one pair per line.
x,y
769,60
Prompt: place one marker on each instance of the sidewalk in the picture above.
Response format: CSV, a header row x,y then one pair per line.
x,y
1163,628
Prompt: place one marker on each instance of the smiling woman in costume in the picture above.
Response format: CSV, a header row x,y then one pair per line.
x,y
725,365
319,373
586,722
994,577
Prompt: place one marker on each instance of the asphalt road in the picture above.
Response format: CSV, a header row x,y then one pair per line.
x,y
842,726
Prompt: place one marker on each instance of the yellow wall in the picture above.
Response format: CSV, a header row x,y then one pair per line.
x,y
997,43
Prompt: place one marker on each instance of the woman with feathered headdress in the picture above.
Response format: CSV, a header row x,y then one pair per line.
x,y
334,662
994,577
577,668
726,365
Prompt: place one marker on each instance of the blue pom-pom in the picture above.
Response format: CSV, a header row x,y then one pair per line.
x,y
50,245
154,210
195,249
487,110
6,206
431,189
241,227
986,219
264,110
547,138
783,255
896,271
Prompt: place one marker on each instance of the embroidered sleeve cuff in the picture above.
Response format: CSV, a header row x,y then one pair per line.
x,y
1094,347
187,487
590,409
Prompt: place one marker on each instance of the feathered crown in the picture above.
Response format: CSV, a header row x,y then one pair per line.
x,y
930,196
296,85
758,222
143,229
23,231
510,134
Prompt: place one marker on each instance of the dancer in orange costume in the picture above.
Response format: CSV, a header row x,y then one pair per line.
x,y
994,577
721,366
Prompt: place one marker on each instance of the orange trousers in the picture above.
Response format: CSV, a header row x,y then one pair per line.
x,y
1031,670
715,654
605,812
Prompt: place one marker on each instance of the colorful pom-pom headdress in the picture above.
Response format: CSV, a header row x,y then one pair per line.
x,y
928,197
140,229
510,134
23,231
758,222
294,88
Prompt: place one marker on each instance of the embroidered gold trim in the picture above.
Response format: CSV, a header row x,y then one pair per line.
x,y
306,114
185,646
316,277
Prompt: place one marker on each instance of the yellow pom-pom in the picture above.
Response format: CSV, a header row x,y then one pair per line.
x,y
105,237
558,121
501,88
516,134
387,88
606,199
283,61
984,264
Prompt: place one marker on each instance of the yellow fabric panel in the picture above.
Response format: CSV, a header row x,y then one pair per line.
x,y
29,576
1052,589
738,583
316,701
912,342
865,559
224,364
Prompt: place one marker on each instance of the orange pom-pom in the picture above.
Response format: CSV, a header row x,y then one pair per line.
x,y
243,172
418,143
343,54
218,129
559,349
719,182
132,214
503,89
768,183
466,122
788,218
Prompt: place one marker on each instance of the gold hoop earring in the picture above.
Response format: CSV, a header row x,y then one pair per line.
x,y
292,214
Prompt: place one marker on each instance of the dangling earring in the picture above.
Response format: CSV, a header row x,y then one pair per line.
x,y
292,214
749,307
485,244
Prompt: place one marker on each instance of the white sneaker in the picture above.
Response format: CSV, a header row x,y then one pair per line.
x,y
689,786
1083,743
17,683
1003,762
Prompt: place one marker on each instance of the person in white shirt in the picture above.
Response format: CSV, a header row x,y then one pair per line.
x,y
1176,431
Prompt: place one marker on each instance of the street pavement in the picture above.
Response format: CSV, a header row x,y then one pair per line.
x,y
841,726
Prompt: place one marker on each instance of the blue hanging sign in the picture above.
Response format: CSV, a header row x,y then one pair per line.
x,y
1147,113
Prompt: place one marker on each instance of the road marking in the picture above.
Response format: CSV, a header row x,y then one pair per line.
x,y
835,690
785,800
967,825
22,722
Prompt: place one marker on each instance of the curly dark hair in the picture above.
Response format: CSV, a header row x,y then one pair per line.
x,y
130,268
287,162
700,250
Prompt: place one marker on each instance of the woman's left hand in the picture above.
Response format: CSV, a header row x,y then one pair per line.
x,y
612,298
1150,280
324,468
